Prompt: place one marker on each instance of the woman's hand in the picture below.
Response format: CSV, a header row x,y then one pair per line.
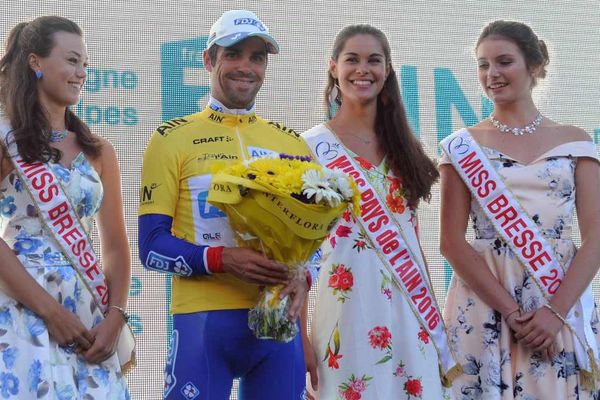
x,y
66,329
310,358
539,330
512,322
106,336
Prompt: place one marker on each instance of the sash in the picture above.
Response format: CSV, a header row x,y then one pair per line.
x,y
525,240
390,243
60,219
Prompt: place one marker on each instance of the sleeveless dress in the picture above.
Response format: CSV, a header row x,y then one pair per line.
x,y
368,341
32,365
495,366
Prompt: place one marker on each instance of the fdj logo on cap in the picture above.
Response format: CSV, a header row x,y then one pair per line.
x,y
250,21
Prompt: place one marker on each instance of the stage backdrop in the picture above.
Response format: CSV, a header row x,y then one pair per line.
x,y
146,66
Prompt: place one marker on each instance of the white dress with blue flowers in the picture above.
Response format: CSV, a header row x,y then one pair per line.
x,y
496,367
32,365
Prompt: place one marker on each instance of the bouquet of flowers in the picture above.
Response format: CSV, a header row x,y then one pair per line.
x,y
282,207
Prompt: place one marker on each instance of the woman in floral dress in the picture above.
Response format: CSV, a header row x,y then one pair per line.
x,y
54,341
366,341
511,338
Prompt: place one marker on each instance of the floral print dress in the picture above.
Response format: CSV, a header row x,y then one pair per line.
x,y
32,365
495,366
369,343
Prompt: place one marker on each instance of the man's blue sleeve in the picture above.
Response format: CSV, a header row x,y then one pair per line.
x,y
160,251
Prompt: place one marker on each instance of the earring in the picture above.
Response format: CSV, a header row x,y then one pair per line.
x,y
336,95
38,74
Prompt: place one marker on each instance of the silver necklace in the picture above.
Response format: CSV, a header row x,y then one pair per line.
x,y
529,128
57,136
365,141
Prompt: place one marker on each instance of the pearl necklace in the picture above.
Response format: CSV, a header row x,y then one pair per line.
x,y
57,136
529,128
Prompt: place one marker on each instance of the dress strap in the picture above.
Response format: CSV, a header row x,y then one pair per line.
x,y
581,148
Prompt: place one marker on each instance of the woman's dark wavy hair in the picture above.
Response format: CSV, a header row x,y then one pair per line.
x,y
19,95
403,151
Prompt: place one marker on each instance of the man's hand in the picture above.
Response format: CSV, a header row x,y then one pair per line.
x,y
297,289
253,267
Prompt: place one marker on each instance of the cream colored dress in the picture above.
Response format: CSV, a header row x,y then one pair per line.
x,y
495,366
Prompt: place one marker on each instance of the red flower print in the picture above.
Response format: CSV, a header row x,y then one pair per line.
x,y
346,281
347,215
341,281
380,337
341,278
334,281
350,394
413,387
332,360
395,196
395,203
332,242
361,243
343,231
364,163
396,182
423,335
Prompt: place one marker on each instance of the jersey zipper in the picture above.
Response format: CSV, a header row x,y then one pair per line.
x,y
239,136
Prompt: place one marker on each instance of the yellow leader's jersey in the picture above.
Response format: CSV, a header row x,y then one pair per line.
x,y
176,176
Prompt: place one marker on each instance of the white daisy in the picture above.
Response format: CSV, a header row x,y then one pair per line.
x,y
338,181
319,187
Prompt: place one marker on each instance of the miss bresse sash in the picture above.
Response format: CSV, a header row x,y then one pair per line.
x,y
389,241
60,219
525,240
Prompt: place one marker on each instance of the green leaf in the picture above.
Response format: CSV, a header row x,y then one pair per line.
x,y
336,340
384,359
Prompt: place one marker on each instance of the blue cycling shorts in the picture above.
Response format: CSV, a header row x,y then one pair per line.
x,y
209,349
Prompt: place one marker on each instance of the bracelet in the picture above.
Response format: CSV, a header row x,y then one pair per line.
x,y
121,310
518,309
557,315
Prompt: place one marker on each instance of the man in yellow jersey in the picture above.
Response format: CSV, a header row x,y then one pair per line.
x,y
215,282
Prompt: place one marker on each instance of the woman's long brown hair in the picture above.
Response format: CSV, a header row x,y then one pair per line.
x,y
19,95
403,151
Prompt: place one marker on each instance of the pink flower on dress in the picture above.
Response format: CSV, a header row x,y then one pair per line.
x,y
380,337
354,387
387,292
358,385
399,370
